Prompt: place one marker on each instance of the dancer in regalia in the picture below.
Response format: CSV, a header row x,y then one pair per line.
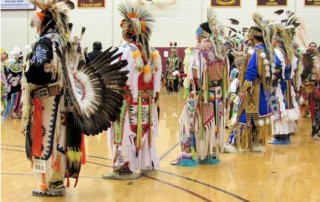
x,y
283,100
133,135
173,64
202,120
255,85
64,98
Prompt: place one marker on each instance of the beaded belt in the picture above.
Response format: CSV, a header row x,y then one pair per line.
x,y
46,91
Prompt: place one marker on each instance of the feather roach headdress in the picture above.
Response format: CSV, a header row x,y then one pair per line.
x,y
54,14
218,31
137,23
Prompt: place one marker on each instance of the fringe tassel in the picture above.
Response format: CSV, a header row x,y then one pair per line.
x,y
139,127
225,83
237,136
76,182
37,128
43,186
246,131
83,150
150,122
288,94
57,164
68,180
206,93
201,120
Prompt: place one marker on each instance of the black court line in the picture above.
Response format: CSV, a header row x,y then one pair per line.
x,y
169,184
168,151
187,178
13,150
99,164
97,157
208,185
183,189
196,181
11,145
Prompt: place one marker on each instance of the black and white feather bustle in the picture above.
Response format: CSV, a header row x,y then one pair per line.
x,y
95,90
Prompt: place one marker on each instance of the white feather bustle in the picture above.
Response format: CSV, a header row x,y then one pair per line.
x,y
266,61
260,122
263,55
85,101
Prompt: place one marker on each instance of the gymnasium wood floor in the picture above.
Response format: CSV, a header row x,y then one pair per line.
x,y
282,173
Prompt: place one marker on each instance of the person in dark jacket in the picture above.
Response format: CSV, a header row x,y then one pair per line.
x,y
97,46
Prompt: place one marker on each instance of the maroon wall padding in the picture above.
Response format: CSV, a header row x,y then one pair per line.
x,y
164,59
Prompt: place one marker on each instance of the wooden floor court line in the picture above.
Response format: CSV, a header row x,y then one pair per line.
x,y
181,188
207,185
169,150
162,181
